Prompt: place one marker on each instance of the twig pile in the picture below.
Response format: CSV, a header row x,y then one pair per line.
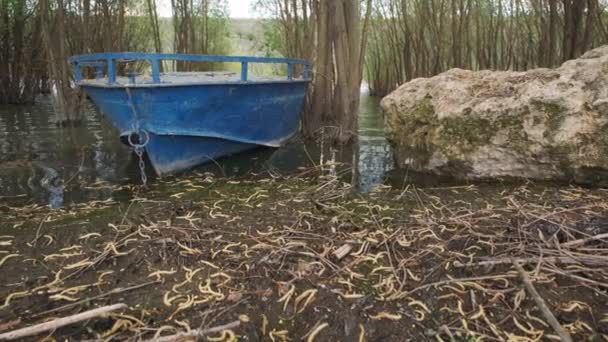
x,y
287,258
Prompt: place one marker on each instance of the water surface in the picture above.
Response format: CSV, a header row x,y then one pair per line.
x,y
43,163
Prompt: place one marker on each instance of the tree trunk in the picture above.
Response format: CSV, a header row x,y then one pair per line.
x,y
153,15
322,85
68,101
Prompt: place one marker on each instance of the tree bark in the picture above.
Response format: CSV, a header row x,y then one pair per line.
x,y
68,101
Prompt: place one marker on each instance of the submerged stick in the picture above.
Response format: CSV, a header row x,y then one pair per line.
x,y
196,333
542,305
60,322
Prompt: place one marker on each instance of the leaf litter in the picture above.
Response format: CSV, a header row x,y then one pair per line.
x,y
307,258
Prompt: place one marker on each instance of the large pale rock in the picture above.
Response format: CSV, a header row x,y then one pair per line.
x,y
541,124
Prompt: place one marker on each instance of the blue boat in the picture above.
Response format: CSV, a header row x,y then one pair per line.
x,y
183,119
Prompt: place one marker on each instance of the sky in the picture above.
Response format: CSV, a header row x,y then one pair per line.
x,y
238,8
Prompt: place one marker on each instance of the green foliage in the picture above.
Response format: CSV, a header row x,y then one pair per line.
x,y
272,41
200,27
218,26
97,26
20,57
247,39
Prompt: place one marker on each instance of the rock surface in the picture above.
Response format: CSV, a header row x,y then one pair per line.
x,y
547,124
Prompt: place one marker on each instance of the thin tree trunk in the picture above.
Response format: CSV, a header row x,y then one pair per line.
x,y
68,100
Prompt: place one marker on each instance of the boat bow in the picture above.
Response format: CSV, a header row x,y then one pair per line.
x,y
192,118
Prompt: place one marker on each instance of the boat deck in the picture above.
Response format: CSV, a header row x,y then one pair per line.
x,y
185,78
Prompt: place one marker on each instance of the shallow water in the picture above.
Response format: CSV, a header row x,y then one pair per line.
x,y
375,155
43,163
36,156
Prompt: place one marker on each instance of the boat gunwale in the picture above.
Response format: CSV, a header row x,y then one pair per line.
x,y
89,83
97,57
108,61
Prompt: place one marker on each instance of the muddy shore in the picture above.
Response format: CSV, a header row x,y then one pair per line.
x,y
306,258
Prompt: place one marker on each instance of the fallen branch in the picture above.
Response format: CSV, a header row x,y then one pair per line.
x,y
574,276
90,299
590,260
35,241
579,242
60,322
545,217
10,324
542,305
196,333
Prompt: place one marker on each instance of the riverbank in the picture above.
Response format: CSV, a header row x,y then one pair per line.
x,y
304,257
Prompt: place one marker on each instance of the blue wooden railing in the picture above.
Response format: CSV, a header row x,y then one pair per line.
x,y
109,60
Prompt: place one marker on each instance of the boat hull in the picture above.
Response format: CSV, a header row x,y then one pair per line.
x,y
192,124
168,155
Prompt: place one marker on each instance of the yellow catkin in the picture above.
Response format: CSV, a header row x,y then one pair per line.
x,y
225,336
287,297
362,333
316,332
159,274
385,315
10,297
264,324
307,296
8,257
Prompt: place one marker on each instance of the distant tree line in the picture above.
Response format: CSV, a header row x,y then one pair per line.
x,y
388,41
422,38
37,38
200,27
